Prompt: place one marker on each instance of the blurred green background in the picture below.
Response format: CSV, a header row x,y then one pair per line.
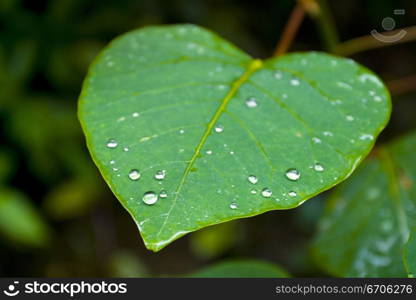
x,y
57,216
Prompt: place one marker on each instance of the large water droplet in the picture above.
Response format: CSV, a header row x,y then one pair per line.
x,y
219,128
252,179
163,194
112,144
318,167
266,192
160,175
233,205
292,194
251,102
293,174
149,198
134,174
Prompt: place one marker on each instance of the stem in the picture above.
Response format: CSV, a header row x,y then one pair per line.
x,y
368,42
325,24
402,85
290,30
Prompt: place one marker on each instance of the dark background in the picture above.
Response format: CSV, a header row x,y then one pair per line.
x,y
45,50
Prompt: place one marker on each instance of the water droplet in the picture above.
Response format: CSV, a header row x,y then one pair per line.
x,y
149,198
349,118
292,174
219,128
163,194
160,175
112,162
328,133
232,152
135,114
251,102
233,205
209,152
126,149
134,174
252,179
253,191
278,75
318,167
266,192
316,140
377,98
294,82
181,131
112,144
115,169
366,137
292,194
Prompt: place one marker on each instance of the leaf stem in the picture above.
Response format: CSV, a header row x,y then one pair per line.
x,y
368,42
290,30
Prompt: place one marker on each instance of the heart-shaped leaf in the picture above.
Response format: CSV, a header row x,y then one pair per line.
x,y
369,218
188,131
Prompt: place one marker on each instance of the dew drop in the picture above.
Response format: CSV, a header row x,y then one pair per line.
x,y
318,167
209,152
135,114
252,179
112,144
232,152
316,140
160,175
149,198
278,75
294,82
266,192
292,194
366,137
134,174
233,205
253,191
181,131
349,118
219,128
163,194
112,162
328,133
251,102
126,149
292,174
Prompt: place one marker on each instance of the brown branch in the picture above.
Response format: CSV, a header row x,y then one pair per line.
x,y
368,42
290,30
402,85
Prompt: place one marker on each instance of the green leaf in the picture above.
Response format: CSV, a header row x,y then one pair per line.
x,y
242,269
20,222
181,99
409,256
368,219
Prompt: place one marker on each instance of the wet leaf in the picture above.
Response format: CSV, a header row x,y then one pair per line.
x,y
368,219
242,269
176,111
20,222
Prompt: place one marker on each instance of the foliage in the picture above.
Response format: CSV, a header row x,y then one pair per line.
x,y
233,136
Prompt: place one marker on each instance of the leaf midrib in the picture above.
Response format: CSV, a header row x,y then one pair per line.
x,y
252,67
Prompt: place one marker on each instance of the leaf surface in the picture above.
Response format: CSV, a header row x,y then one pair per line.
x,y
242,269
369,218
181,103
